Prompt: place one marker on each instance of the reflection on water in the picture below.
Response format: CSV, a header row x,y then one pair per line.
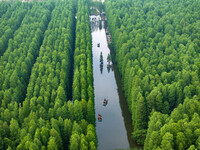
x,y
95,25
101,62
109,67
109,59
114,132
101,67
100,25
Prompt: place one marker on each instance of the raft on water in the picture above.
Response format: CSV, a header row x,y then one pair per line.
x,y
99,117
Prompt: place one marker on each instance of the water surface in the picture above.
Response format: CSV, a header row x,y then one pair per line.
x,y
114,131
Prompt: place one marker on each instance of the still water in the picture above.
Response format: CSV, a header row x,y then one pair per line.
x,y
114,131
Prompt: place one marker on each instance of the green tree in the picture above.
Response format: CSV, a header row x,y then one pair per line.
x,y
67,131
78,114
90,112
83,143
52,144
74,141
14,129
167,141
91,134
141,114
180,140
57,138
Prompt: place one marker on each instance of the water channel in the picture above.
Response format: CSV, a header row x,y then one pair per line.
x,y
114,131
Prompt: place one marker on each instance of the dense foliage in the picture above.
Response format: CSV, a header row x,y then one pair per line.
x,y
83,92
44,114
36,76
10,22
3,7
157,52
16,63
180,130
15,69
83,79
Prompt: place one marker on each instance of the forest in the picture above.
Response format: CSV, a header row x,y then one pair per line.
x,y
38,109
47,97
156,45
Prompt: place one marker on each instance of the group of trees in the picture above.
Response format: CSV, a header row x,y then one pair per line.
x,y
17,61
83,75
47,96
36,77
157,52
15,68
83,92
10,22
3,7
180,130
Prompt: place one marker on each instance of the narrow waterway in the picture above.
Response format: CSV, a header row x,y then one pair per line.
x,y
114,131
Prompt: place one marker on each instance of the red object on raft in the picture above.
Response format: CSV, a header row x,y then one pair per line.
x,y
99,117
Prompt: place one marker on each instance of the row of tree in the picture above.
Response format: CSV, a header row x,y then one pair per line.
x,y
83,76
10,22
83,92
15,69
47,92
157,52
3,7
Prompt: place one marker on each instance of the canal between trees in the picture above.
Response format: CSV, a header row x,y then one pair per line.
x,y
114,131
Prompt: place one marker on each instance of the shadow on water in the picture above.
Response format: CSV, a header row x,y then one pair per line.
x,y
124,107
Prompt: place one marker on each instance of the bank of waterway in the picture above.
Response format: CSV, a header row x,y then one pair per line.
x,y
114,131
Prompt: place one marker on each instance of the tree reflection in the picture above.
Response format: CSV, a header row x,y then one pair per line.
x,y
108,68
101,58
101,63
109,59
100,25
109,65
94,25
101,67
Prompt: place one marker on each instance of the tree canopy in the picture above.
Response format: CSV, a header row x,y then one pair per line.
x,y
36,69
157,52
